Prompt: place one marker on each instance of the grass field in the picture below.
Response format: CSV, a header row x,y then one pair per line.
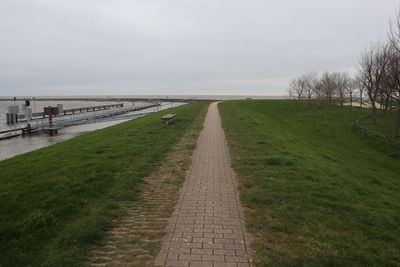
x,y
384,123
56,201
314,198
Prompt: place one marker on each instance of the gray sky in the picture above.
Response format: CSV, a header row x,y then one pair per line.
x,y
142,47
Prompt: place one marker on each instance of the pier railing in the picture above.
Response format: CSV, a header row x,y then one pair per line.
x,y
86,117
75,110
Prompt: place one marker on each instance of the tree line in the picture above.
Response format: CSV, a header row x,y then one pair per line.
x,y
377,81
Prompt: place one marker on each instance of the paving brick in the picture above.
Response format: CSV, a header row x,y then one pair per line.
x,y
213,246
203,230
189,257
212,235
223,241
236,259
203,240
234,246
213,257
240,252
181,240
226,252
234,236
201,264
172,256
225,264
180,250
223,231
213,226
202,251
191,235
177,263
190,245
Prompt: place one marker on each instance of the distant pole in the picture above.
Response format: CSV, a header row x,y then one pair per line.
x,y
50,117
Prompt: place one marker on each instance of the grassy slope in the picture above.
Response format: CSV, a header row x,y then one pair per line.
x,y
315,198
384,124
56,201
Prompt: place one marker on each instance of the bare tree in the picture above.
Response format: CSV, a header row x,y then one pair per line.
x,y
309,80
350,89
394,33
359,87
343,85
342,81
296,89
394,69
373,69
378,77
319,100
395,81
328,84
386,90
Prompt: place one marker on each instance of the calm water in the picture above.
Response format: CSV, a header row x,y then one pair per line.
x,y
19,145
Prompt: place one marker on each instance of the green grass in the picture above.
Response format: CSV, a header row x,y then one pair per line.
x,y
57,201
384,124
314,198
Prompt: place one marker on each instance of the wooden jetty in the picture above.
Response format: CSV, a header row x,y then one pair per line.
x,y
6,134
75,110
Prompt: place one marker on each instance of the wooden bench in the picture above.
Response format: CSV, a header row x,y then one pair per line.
x,y
167,118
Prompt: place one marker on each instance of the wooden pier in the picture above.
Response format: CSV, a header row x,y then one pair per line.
x,y
75,110
16,132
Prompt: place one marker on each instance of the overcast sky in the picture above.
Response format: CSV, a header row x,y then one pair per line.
x,y
172,47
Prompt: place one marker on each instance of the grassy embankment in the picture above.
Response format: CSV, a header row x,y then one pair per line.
x,y
56,201
384,123
327,198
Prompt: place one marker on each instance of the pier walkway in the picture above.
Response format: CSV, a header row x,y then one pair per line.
x,y
207,227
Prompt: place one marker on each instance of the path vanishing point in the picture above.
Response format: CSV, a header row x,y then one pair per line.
x,y
207,227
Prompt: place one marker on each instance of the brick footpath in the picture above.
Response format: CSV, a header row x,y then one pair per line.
x,y
207,228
